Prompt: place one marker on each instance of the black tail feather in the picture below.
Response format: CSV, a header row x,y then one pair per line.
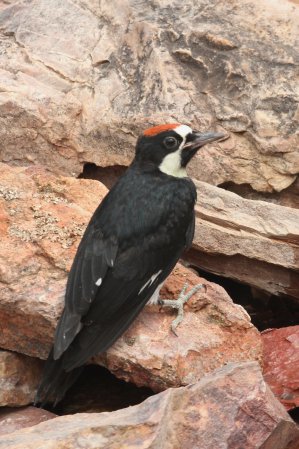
x,y
55,381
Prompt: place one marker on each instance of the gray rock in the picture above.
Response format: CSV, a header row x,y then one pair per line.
x,y
80,79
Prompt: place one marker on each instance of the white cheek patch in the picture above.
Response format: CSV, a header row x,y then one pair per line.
x,y
171,164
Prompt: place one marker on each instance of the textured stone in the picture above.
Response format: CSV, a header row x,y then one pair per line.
x,y
79,80
12,419
228,409
251,241
214,331
43,219
281,364
19,378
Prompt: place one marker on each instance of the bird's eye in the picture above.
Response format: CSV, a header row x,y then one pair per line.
x,y
170,142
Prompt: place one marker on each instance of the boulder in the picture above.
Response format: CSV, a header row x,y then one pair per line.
x,y
12,419
214,331
254,242
80,79
281,364
228,409
43,220
19,378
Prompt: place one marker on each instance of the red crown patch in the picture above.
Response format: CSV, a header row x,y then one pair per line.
x,y
159,129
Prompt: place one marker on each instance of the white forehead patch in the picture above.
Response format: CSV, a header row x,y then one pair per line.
x,y
183,131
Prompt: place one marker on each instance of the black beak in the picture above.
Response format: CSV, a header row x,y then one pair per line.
x,y
197,140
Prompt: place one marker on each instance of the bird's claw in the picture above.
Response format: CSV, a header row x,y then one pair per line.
x,y
179,304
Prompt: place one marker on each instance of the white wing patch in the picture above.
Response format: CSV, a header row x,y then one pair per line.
x,y
98,282
150,281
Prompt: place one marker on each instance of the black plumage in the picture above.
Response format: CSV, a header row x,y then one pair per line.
x,y
131,244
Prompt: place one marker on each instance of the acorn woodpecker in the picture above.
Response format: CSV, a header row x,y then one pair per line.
x,y
132,242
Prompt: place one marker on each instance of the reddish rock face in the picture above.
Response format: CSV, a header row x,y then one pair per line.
x,y
12,419
215,331
231,408
281,364
19,378
44,218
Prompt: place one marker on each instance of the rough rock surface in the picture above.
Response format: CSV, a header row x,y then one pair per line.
x,y
229,409
43,218
12,419
19,378
214,331
42,221
252,241
79,80
281,364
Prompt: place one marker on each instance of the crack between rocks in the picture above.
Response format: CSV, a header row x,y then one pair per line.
x,y
57,72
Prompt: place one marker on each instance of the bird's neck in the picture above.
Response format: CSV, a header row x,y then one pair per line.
x,y
165,168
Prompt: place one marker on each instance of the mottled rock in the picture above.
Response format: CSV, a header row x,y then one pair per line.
x,y
79,80
228,409
19,378
214,331
43,219
251,241
12,419
281,364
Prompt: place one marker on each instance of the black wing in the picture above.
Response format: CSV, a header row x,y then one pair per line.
x,y
127,251
95,255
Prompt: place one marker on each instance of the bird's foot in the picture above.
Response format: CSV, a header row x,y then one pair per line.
x,y
179,304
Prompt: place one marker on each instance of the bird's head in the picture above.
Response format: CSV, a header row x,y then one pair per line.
x,y
170,147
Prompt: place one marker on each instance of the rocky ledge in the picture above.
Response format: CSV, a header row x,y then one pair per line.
x,y
230,408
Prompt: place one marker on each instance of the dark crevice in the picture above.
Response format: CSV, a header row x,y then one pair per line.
x,y
288,197
106,175
294,413
266,310
96,391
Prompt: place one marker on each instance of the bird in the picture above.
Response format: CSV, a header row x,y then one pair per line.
x,y
131,244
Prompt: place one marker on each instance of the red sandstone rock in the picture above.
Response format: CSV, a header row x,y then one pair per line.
x,y
214,331
19,378
12,419
231,408
43,219
281,364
